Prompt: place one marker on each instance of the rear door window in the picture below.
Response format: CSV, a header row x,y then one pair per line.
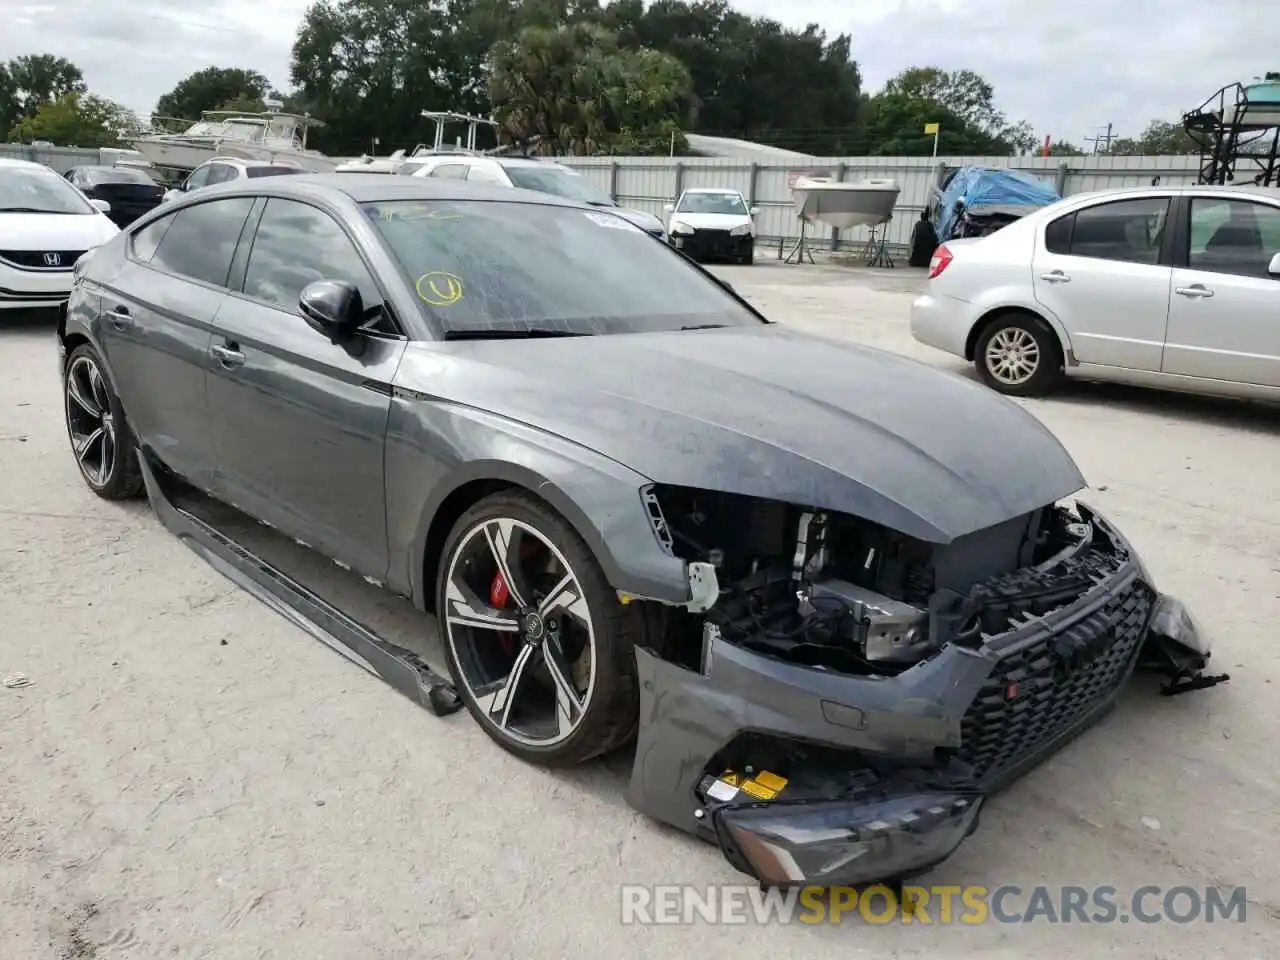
x,y
143,243
202,239
1128,231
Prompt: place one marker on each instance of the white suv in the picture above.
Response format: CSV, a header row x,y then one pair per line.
x,y
540,176
226,169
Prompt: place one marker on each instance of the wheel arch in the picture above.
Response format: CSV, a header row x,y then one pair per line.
x,y
620,540
995,313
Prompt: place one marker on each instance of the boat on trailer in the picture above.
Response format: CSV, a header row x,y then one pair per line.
x,y
271,136
857,203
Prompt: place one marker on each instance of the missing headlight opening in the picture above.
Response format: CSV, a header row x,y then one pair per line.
x,y
832,591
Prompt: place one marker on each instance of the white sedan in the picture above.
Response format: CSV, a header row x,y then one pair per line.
x,y
46,224
1174,287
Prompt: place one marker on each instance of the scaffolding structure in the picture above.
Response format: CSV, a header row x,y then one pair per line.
x,y
1239,137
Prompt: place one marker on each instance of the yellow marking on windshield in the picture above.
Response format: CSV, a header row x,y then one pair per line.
x,y
439,289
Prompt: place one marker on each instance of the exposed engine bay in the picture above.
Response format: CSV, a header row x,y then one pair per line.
x,y
837,593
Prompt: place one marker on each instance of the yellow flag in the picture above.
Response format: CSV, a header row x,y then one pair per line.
x,y
930,128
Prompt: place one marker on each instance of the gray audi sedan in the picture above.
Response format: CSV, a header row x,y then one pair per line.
x,y
836,598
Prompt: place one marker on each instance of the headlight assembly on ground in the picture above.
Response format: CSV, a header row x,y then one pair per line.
x,y
969,905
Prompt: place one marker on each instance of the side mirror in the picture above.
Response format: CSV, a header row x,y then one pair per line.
x,y
100,205
332,307
1273,268
754,211
669,207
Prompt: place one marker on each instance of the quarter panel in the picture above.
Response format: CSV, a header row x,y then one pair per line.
x,y
435,447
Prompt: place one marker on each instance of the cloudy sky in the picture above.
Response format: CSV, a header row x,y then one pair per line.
x,y
1068,67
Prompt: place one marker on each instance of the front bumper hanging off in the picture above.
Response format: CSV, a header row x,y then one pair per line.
x,y
807,777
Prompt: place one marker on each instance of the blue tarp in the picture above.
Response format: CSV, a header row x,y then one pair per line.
x,y
990,187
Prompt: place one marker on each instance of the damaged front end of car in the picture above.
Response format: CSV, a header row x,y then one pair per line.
x,y
837,700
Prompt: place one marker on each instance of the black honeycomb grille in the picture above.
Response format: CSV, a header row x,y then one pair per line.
x,y
1039,691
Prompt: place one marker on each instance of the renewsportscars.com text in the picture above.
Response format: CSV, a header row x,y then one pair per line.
x,y
938,904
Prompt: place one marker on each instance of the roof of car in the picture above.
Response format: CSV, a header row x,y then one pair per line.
x,y
727,191
1233,189
247,162
373,187
22,164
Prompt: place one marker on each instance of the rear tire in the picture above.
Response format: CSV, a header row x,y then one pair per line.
x,y
600,709
1018,355
101,440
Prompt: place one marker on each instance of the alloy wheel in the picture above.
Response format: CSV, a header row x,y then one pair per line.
x,y
519,627
1013,356
90,422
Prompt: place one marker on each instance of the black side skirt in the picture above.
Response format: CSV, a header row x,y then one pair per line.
x,y
400,668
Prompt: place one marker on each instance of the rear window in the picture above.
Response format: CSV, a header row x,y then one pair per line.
x,y
271,171
513,266
120,175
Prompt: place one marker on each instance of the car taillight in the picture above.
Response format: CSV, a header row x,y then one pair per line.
x,y
941,257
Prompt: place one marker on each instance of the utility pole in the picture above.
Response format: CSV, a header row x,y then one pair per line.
x,y
1101,142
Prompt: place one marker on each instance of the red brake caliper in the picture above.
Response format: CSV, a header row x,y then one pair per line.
x,y
499,597
500,593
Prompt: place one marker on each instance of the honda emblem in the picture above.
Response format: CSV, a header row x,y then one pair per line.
x,y
53,259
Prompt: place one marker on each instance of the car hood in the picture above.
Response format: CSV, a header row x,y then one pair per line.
x,y
55,231
646,222
771,412
712,221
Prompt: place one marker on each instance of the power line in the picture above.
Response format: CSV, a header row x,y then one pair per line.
x,y
1102,141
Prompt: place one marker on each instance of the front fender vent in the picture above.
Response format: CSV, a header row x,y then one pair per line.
x,y
657,520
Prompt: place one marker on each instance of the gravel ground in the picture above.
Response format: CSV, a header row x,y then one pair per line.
x,y
189,775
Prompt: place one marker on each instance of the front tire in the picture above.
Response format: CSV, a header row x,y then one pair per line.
x,y
749,257
539,647
1018,355
101,440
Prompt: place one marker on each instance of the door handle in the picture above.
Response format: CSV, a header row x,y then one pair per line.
x,y
1197,291
1055,276
227,355
119,318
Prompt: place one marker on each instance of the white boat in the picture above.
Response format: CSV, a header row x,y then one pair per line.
x,y
401,162
858,203
269,136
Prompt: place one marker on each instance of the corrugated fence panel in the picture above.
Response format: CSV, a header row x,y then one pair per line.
x,y
61,159
647,183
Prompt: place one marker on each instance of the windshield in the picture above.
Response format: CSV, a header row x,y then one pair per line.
x,y
245,130
697,202
25,190
117,175
562,183
492,267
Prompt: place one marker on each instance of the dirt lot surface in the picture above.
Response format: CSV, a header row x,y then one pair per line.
x,y
189,775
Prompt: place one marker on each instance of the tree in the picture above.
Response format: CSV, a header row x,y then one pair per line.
x,y
369,67
78,120
1159,139
960,100
574,90
28,82
1064,148
208,89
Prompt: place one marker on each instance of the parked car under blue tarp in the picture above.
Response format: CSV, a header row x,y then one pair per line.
x,y
975,201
